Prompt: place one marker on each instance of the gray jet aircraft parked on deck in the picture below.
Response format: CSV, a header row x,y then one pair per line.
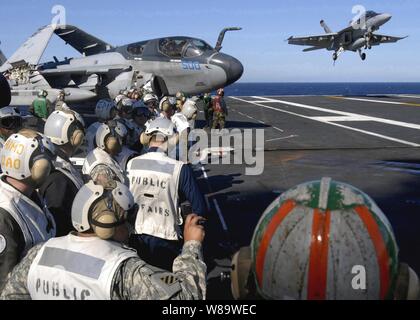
x,y
169,64
357,36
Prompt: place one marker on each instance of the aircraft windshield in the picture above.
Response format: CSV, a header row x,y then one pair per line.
x,y
370,14
136,49
182,47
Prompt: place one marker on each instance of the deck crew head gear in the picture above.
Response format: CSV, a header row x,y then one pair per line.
x,y
110,136
221,92
42,93
150,100
167,104
189,110
126,106
28,155
105,109
65,127
308,241
101,209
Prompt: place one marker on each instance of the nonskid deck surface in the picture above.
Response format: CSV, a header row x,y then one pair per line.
x,y
371,142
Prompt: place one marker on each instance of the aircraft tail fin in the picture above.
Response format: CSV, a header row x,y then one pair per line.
x,y
31,51
326,28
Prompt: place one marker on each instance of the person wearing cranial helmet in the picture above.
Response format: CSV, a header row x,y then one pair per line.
x,y
105,110
323,240
161,184
101,163
27,160
66,131
93,264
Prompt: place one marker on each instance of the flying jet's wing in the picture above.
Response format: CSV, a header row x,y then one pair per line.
x,y
31,51
319,41
378,39
85,70
83,42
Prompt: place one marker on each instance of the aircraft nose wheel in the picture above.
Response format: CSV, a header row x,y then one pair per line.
x,y
363,56
335,56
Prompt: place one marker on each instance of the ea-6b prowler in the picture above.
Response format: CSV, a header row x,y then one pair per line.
x,y
357,36
169,64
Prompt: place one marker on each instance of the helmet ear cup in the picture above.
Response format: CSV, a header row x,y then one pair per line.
x,y
241,268
77,138
40,170
145,139
99,224
112,145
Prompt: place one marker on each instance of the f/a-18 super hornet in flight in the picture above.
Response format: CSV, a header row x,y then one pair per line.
x,y
169,64
357,36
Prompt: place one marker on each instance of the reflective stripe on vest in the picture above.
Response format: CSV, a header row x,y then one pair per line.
x,y
76,268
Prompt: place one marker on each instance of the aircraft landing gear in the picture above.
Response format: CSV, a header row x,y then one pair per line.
x,y
337,54
362,55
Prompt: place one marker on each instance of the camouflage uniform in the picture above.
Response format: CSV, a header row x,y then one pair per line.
x,y
134,279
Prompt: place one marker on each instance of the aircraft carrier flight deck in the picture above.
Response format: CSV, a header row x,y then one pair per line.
x,y
371,142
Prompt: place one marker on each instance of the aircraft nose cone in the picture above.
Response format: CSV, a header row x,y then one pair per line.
x,y
386,17
232,67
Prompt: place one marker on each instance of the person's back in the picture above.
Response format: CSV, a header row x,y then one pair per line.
x,y
92,264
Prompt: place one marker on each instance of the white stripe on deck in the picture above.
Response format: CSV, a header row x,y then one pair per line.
x,y
216,204
343,113
412,144
401,103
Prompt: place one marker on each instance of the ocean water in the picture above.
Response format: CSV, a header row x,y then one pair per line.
x,y
340,88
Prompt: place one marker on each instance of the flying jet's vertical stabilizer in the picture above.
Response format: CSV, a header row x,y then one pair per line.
x,y
326,28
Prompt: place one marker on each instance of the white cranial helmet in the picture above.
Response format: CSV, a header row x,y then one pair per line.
x,y
110,216
27,154
64,127
104,108
162,126
189,109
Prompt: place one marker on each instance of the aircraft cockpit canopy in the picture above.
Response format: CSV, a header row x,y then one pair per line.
x,y
181,47
370,14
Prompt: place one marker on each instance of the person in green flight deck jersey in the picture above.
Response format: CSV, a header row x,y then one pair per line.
x,y
41,109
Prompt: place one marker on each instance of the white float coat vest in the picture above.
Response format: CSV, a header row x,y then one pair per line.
x,y
76,268
69,171
32,220
154,180
91,135
124,156
99,157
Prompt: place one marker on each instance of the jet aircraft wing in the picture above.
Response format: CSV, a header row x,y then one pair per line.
x,y
378,39
83,42
31,51
319,41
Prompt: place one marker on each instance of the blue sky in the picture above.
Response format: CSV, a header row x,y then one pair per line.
x,y
261,45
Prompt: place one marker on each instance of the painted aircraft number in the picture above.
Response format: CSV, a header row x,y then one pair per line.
x,y
190,65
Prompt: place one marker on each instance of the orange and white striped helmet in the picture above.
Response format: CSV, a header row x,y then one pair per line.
x,y
322,240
